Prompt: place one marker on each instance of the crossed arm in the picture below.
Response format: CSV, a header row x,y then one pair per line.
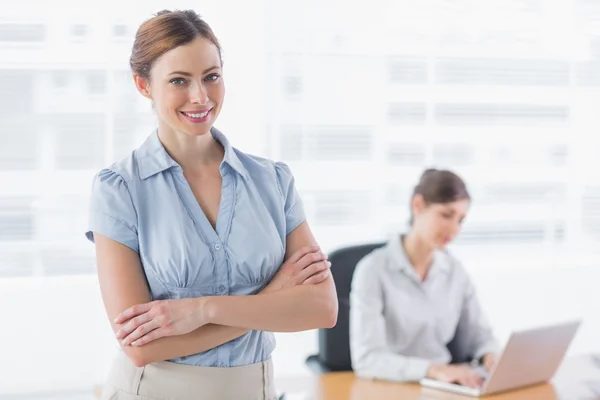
x,y
296,308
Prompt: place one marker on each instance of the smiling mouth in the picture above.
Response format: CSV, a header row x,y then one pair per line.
x,y
196,117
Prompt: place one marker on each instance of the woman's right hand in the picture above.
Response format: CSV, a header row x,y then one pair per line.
x,y
460,374
308,266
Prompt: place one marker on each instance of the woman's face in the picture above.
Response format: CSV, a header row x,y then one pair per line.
x,y
186,87
438,223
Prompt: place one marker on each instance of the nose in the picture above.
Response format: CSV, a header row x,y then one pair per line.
x,y
198,94
455,228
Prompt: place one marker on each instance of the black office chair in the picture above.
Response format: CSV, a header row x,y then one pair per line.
x,y
334,343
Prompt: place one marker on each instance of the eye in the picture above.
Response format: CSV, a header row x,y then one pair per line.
x,y
212,78
177,81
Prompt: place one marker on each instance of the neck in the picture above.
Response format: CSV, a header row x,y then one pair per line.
x,y
192,153
418,252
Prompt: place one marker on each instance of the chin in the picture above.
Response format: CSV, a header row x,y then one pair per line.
x,y
445,244
196,131
440,244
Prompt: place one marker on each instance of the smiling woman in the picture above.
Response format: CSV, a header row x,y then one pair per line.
x,y
185,82
203,251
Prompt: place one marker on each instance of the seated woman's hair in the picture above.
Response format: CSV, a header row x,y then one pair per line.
x,y
441,186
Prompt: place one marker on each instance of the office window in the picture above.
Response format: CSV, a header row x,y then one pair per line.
x,y
292,87
19,123
335,143
22,33
342,208
476,71
406,154
79,141
408,70
449,155
126,134
60,79
591,211
17,88
291,142
19,150
120,31
588,74
500,154
558,155
407,113
502,234
525,193
500,114
124,93
16,219
559,233
79,31
17,262
397,196
67,262
96,82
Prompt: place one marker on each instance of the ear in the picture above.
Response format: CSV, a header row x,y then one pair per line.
x,y
418,204
142,86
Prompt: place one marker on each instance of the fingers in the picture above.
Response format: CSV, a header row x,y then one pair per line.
x,y
153,335
310,259
294,258
461,375
318,278
132,325
470,379
133,312
142,330
312,270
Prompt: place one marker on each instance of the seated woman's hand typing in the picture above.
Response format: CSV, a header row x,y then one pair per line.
x,y
460,374
144,323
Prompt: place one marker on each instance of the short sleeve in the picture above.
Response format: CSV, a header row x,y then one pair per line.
x,y
294,209
112,213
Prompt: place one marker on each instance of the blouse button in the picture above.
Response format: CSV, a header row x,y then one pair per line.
x,y
217,246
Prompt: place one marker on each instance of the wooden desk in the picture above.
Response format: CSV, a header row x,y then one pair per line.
x,y
577,379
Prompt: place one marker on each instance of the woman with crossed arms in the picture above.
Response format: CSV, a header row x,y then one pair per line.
x,y
203,251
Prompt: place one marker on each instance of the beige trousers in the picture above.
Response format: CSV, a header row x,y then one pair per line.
x,y
170,381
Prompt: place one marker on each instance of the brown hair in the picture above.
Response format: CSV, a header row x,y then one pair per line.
x,y
440,187
166,31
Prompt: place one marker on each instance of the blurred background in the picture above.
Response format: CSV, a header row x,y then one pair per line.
x,y
358,98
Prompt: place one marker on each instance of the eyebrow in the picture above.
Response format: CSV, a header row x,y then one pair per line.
x,y
188,74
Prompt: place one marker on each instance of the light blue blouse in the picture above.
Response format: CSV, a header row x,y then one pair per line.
x,y
145,203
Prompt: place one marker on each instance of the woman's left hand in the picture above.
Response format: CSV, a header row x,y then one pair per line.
x,y
144,323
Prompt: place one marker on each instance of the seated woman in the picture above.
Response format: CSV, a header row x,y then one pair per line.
x,y
409,297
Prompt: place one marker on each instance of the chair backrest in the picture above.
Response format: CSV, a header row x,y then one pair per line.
x,y
334,343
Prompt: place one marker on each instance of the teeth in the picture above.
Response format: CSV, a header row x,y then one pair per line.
x,y
201,115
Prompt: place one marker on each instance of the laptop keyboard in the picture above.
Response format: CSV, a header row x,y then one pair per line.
x,y
452,387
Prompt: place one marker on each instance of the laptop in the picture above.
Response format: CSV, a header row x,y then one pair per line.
x,y
530,357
